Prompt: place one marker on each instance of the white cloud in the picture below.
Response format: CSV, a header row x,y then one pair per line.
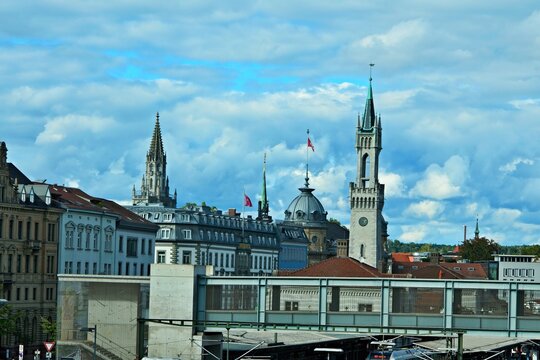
x,y
505,216
425,208
512,165
394,186
443,182
398,35
413,233
58,128
524,103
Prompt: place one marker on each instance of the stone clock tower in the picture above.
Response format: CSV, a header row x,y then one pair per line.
x,y
368,232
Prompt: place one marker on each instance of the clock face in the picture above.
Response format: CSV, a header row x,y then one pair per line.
x,y
363,221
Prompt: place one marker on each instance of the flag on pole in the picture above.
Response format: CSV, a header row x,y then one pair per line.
x,y
310,144
247,201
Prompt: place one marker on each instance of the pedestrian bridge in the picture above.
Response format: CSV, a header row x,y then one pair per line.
x,y
382,305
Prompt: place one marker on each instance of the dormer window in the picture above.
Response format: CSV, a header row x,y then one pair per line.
x,y
31,195
48,197
23,194
299,214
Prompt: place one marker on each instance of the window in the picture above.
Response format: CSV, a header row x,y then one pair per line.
x,y
79,239
108,241
28,228
119,268
86,267
19,230
143,246
291,305
27,263
50,264
94,268
11,229
10,263
186,257
365,307
161,257
34,294
142,270
19,261
186,234
131,249
78,267
149,246
127,268
120,244
96,232
51,232
1,227
156,216
165,233
87,239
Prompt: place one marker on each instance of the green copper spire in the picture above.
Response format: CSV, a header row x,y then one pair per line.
x,y
264,199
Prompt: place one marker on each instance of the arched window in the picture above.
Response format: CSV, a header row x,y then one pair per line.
x,y
366,166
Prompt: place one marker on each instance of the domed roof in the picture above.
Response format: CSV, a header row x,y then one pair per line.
x,y
306,208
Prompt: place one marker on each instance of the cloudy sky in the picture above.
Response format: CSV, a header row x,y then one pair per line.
x,y
457,84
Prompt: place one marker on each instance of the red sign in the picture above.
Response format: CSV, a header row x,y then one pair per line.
x,y
48,345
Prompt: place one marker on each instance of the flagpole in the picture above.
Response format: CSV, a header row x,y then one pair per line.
x,y
243,212
307,160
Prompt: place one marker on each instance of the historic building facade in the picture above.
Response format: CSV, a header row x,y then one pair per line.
x,y
28,253
98,236
368,229
307,212
199,235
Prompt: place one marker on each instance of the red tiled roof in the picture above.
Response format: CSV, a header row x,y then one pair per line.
x,y
74,198
426,270
402,257
337,267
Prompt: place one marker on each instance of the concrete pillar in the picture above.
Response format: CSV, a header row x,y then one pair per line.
x,y
173,290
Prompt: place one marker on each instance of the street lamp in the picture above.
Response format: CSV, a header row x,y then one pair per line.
x,y
94,330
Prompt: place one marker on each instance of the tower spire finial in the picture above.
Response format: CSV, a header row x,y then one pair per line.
x,y
477,230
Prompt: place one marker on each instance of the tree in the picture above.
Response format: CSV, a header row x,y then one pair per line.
x,y
49,328
479,249
8,320
531,250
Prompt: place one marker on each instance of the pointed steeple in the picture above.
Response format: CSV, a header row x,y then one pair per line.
x,y
368,120
476,230
156,145
264,198
263,203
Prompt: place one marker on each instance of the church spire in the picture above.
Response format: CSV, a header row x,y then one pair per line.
x,y
156,145
155,182
263,203
368,120
476,230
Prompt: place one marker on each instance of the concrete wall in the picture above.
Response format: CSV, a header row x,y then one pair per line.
x,y
173,296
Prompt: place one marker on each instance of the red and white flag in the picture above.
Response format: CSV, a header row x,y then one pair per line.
x,y
310,144
247,201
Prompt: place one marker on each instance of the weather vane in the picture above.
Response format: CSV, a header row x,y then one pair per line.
x,y
370,67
